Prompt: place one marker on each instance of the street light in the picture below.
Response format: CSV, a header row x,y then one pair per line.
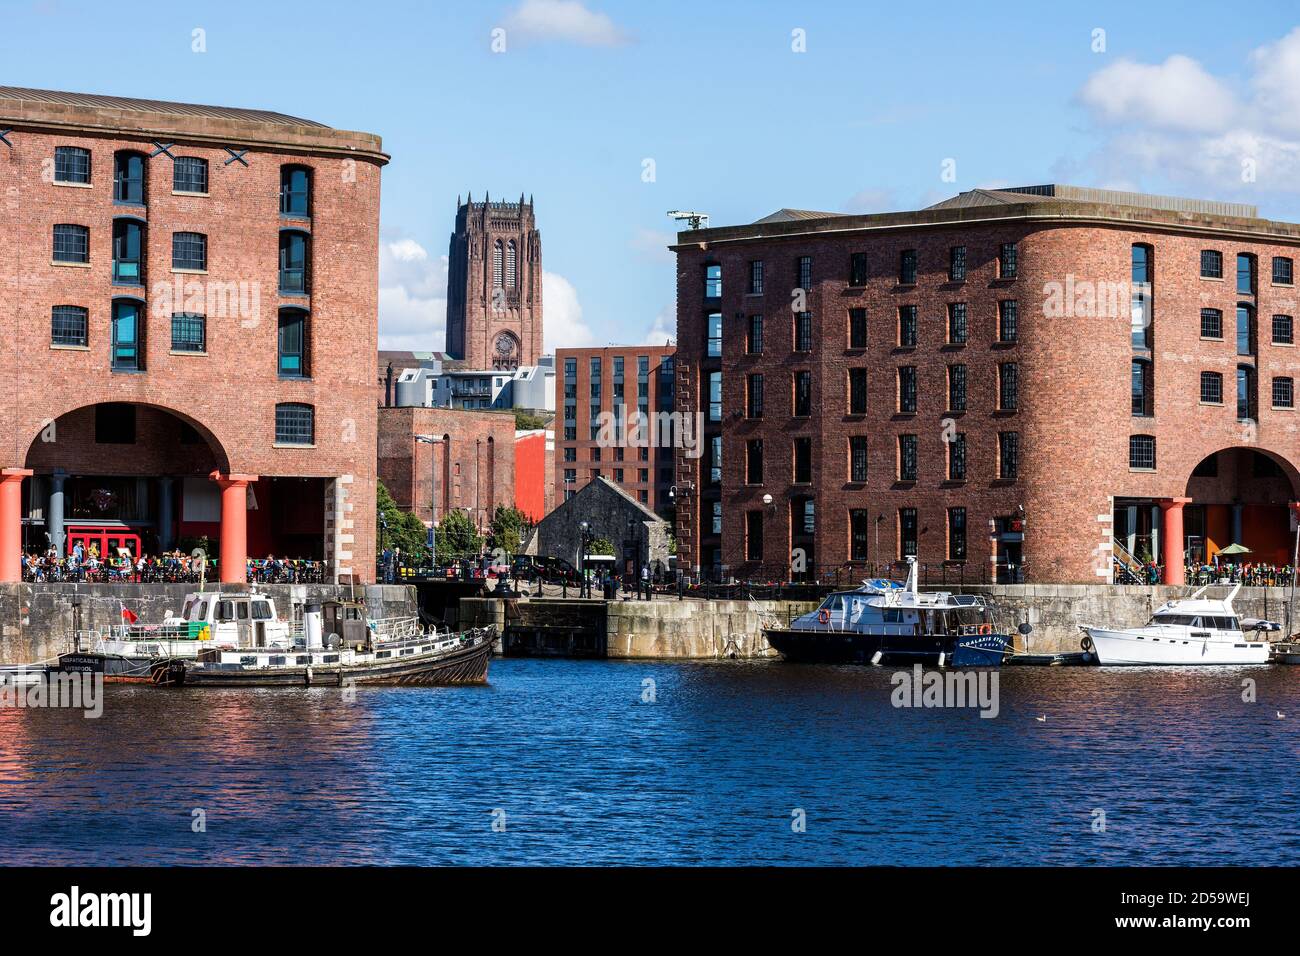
x,y
582,557
433,496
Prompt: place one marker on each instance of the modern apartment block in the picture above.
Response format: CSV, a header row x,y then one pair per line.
x,y
601,396
191,330
1045,383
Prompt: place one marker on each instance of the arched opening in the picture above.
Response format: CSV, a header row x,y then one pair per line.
x,y
1241,496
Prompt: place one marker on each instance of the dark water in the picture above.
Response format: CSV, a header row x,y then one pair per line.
x,y
708,774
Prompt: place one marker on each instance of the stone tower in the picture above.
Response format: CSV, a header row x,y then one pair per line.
x,y
494,285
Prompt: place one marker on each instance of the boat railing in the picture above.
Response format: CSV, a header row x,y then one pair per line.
x,y
395,628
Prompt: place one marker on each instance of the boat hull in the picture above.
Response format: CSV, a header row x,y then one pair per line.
x,y
116,668
852,647
1126,648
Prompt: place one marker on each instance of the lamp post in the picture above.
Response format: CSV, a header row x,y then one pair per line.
x,y
584,528
433,495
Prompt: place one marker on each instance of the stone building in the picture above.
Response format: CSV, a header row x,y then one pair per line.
x,y
191,330
639,536
1044,383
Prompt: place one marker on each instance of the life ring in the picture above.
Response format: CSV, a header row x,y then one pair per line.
x,y
824,616
1086,643
986,628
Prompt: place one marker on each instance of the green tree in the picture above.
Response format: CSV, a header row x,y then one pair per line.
x,y
527,421
508,524
600,546
457,536
405,530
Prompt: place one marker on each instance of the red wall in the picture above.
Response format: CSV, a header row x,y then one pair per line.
x,y
530,473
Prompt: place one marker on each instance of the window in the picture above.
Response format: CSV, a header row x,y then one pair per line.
x,y
570,454
907,532
1247,399
1212,388
498,264
907,457
756,277
907,267
1283,392
805,272
128,252
1142,452
754,396
1008,260
1211,324
858,458
189,332
907,388
857,328
1142,264
114,423
859,534
957,323
753,536
128,336
715,396
292,344
956,534
71,243
293,261
69,325
1008,455
1008,387
802,461
190,175
714,329
802,393
754,461
128,178
858,268
295,424
957,457
803,332
1143,391
1245,274
713,282
1211,264
1283,330
71,164
1245,330
1283,270
907,326
715,459
1008,320
956,388
717,528
190,251
857,391
807,509
957,264
295,191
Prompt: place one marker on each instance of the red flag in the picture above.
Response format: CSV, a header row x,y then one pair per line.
x,y
129,615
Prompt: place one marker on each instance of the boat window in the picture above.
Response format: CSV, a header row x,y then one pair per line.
x,y
225,611
241,609
1181,620
200,611
893,616
835,602
185,612
965,616
261,610
1234,624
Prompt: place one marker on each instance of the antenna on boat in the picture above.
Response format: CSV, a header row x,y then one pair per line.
x,y
911,573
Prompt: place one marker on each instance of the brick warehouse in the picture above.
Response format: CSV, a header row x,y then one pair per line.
x,y
192,331
618,382
1045,384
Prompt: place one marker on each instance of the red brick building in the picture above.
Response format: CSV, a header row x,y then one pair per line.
x,y
535,472
1039,384
191,331
601,393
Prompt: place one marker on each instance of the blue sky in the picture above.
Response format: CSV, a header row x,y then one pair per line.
x,y
1185,98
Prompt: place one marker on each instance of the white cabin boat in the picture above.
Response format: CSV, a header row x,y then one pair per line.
x,y
1195,630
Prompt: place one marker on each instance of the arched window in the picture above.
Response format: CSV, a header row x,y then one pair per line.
x,y
128,251
510,265
295,424
292,347
498,270
128,177
295,253
295,191
128,335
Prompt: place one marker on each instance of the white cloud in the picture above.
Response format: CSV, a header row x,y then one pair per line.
x,y
867,201
563,20
562,325
663,330
652,244
1177,94
1277,81
412,297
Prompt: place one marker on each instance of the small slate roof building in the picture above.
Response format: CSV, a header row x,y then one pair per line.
x,y
639,536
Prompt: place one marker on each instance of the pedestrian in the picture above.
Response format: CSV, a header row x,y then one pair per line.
x,y
645,580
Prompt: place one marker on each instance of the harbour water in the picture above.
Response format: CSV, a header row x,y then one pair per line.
x,y
568,762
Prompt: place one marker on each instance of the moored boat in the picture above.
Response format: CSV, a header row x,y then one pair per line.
x,y
1185,631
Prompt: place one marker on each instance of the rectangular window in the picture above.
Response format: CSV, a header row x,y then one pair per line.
x,y
1211,324
292,344
715,396
1008,387
907,532
1008,320
716,527
803,332
802,394
756,277
69,325
1283,392
907,389
1245,330
715,459
1143,390
71,164
857,391
803,461
128,178
753,536
189,332
907,447
713,282
1008,455
956,388
1142,452
1283,270
1245,274
754,396
1283,330
128,252
570,432
858,268
190,251
807,508
957,457
907,326
754,343
858,458
754,461
295,424
1008,260
859,534
1212,388
957,264
71,243
715,335
128,336
805,272
1211,264
956,534
857,328
190,175
907,267
570,454
957,329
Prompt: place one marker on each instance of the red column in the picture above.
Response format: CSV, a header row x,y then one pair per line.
x,y
234,526
1171,535
11,523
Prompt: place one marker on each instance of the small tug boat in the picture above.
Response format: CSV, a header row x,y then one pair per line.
x,y
1191,630
885,622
